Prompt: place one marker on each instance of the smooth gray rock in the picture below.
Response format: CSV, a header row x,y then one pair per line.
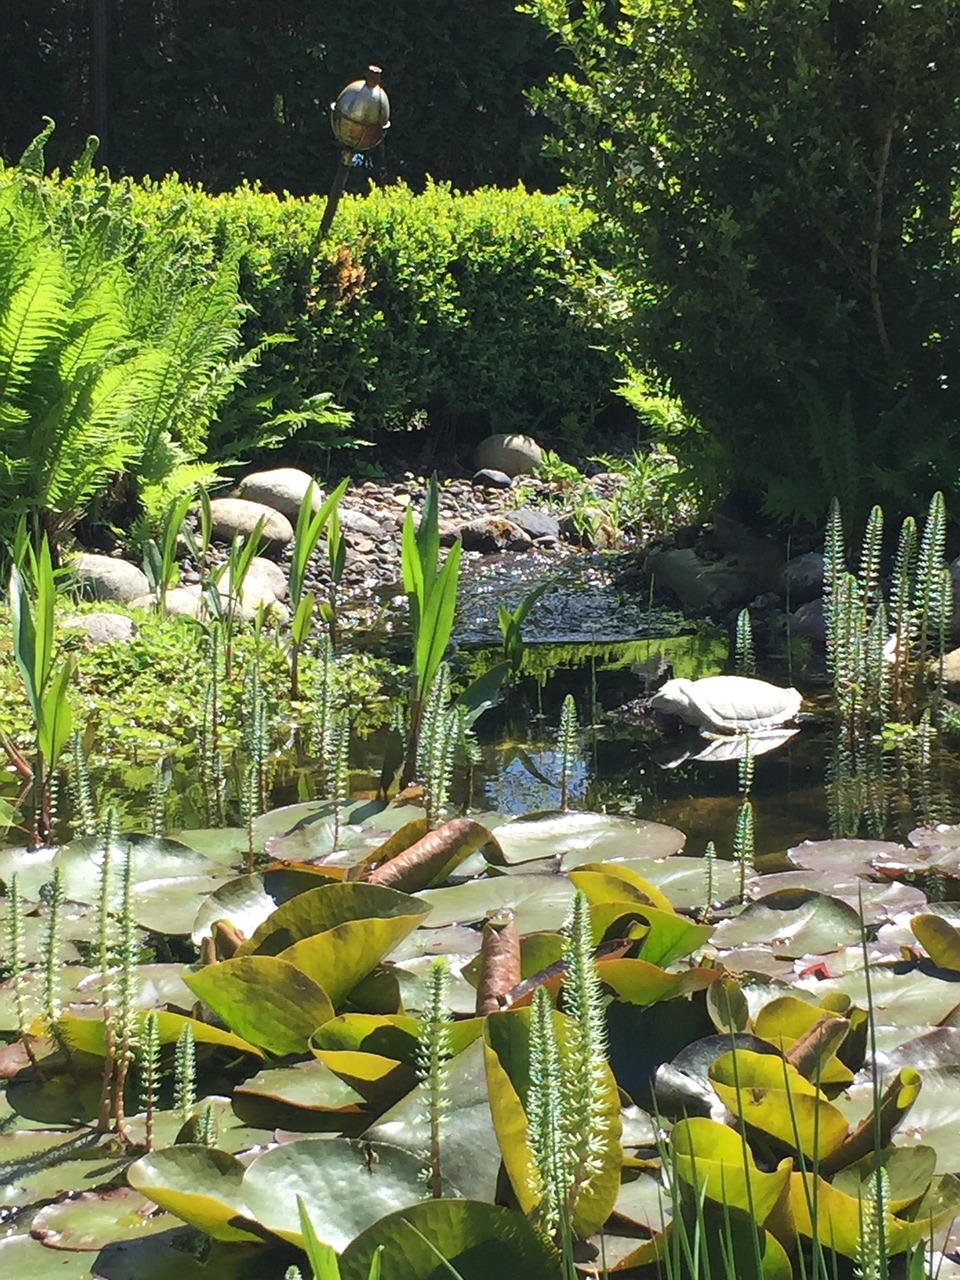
x,y
703,586
514,455
103,628
264,578
236,517
494,533
282,489
539,524
109,578
809,621
488,478
357,522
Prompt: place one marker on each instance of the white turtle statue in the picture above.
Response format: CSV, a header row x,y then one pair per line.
x,y
727,704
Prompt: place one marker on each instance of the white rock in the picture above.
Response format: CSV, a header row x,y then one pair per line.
x,y
102,628
514,455
283,489
236,517
108,578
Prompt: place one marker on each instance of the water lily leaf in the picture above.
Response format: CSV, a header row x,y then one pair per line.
x,y
153,858
267,1001
310,1085
85,1031
937,1050
597,837
786,1020
899,999
433,857
170,905
401,839
712,1160
539,903
394,1035
727,1005
41,1164
507,1063
642,983
24,1256
379,1080
471,1156
346,1185
616,881
879,901
94,1219
363,827
243,901
939,939
324,908
32,867
201,1185
838,1215
682,1086
909,1170
792,924
683,880
842,857
226,845
772,1096
339,958
933,1120
313,814
475,1240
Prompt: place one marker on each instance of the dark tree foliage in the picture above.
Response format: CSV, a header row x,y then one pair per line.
x,y
225,90
784,174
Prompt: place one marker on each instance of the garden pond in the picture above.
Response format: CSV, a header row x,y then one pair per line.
x,y
254,1009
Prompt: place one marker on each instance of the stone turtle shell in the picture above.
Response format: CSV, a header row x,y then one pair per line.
x,y
728,704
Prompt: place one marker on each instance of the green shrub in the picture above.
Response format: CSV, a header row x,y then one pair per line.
x,y
114,352
492,311
784,175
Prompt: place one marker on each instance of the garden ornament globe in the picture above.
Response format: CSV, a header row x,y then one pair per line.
x,y
359,118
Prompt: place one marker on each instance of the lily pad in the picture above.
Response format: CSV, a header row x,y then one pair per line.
x,y
200,1185
347,1185
430,1240
153,858
42,1165
593,837
792,924
267,1001
539,903
471,1156
328,906
95,1219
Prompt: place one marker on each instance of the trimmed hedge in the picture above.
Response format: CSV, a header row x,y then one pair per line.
x,y
490,311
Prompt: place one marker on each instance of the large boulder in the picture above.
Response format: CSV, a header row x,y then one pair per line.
x,y
514,455
109,578
236,517
282,489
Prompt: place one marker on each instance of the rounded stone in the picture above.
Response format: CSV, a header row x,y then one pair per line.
x,y
514,455
539,524
109,578
494,533
236,517
487,478
103,628
282,489
357,522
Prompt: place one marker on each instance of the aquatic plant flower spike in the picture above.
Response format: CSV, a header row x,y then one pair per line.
x,y
727,704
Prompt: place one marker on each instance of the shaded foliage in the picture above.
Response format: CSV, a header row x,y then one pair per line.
x,y
783,174
226,90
